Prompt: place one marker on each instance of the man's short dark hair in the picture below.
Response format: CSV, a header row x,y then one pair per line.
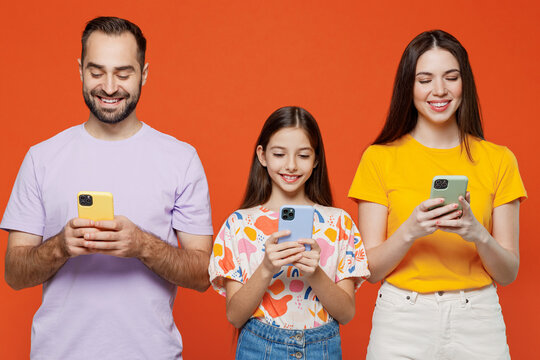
x,y
111,25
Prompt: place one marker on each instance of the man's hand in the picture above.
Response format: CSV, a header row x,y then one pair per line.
x,y
71,238
119,237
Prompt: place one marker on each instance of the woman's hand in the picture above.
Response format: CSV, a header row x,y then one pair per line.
x,y
277,255
424,221
466,226
309,262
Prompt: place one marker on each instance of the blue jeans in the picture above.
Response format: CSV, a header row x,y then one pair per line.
x,y
258,341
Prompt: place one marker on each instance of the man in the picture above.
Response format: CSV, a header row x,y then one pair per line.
x,y
109,286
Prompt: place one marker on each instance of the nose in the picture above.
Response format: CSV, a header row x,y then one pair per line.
x,y
109,85
439,88
291,163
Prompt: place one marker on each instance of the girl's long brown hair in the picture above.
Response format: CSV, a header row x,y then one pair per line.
x,y
259,185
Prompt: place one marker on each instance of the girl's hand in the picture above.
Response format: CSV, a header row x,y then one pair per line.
x,y
467,226
423,221
309,262
277,255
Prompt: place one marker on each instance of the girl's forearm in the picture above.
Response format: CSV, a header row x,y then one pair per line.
x,y
338,300
247,297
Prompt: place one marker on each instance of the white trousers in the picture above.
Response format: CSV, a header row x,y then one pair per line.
x,y
457,325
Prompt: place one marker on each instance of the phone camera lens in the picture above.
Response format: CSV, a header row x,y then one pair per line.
x,y
441,184
86,200
284,216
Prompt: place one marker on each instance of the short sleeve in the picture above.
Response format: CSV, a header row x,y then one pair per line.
x,y
224,263
509,184
192,212
352,261
368,181
24,211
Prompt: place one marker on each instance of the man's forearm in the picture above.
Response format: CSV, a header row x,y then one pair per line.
x,y
28,266
183,267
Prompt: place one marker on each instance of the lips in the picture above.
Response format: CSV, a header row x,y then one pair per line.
x,y
439,105
290,178
109,100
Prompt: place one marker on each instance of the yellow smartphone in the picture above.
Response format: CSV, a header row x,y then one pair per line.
x,y
95,205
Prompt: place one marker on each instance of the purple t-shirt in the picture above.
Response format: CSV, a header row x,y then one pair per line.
x,y
99,306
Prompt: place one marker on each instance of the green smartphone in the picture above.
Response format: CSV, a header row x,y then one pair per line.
x,y
449,187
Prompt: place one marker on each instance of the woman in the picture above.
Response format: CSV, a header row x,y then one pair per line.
x,y
438,264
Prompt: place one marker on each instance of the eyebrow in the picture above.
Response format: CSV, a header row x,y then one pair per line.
x,y
117,68
445,73
277,147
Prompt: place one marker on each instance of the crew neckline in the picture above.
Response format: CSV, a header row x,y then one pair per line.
x,y
144,128
418,144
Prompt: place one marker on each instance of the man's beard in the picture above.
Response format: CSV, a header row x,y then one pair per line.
x,y
111,116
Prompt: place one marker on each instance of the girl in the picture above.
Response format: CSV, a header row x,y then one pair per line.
x,y
288,310
438,266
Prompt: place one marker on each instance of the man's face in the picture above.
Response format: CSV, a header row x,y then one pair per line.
x,y
111,76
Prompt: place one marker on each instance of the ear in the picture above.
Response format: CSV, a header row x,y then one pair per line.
x,y
261,155
80,69
145,73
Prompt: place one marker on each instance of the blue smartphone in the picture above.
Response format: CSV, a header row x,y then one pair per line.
x,y
299,220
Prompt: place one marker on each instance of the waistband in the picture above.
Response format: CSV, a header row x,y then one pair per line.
x,y
439,296
292,337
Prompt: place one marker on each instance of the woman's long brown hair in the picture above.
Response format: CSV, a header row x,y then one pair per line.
x,y
402,115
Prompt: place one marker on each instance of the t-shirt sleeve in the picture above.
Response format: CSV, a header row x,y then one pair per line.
x,y
24,211
224,263
368,184
192,212
509,184
352,261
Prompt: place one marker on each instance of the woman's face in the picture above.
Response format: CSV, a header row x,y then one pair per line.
x,y
437,86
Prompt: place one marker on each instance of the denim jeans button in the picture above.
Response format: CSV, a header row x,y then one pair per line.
x,y
298,355
298,337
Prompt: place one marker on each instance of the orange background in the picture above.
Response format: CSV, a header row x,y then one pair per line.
x,y
219,68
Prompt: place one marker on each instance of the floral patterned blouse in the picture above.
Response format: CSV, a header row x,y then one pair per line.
x,y
289,301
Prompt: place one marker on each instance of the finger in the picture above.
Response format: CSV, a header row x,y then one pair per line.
x,y
454,223
303,268
443,210
451,215
311,242
287,245
464,203
289,260
429,203
78,223
79,232
101,245
75,242
273,239
468,196
278,255
102,236
108,225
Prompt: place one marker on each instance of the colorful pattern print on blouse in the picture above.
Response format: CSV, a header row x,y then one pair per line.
x,y
289,301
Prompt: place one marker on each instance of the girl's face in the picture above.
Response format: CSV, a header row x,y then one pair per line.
x,y
289,160
437,86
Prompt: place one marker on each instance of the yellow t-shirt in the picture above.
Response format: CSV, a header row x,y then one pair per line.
x,y
399,176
